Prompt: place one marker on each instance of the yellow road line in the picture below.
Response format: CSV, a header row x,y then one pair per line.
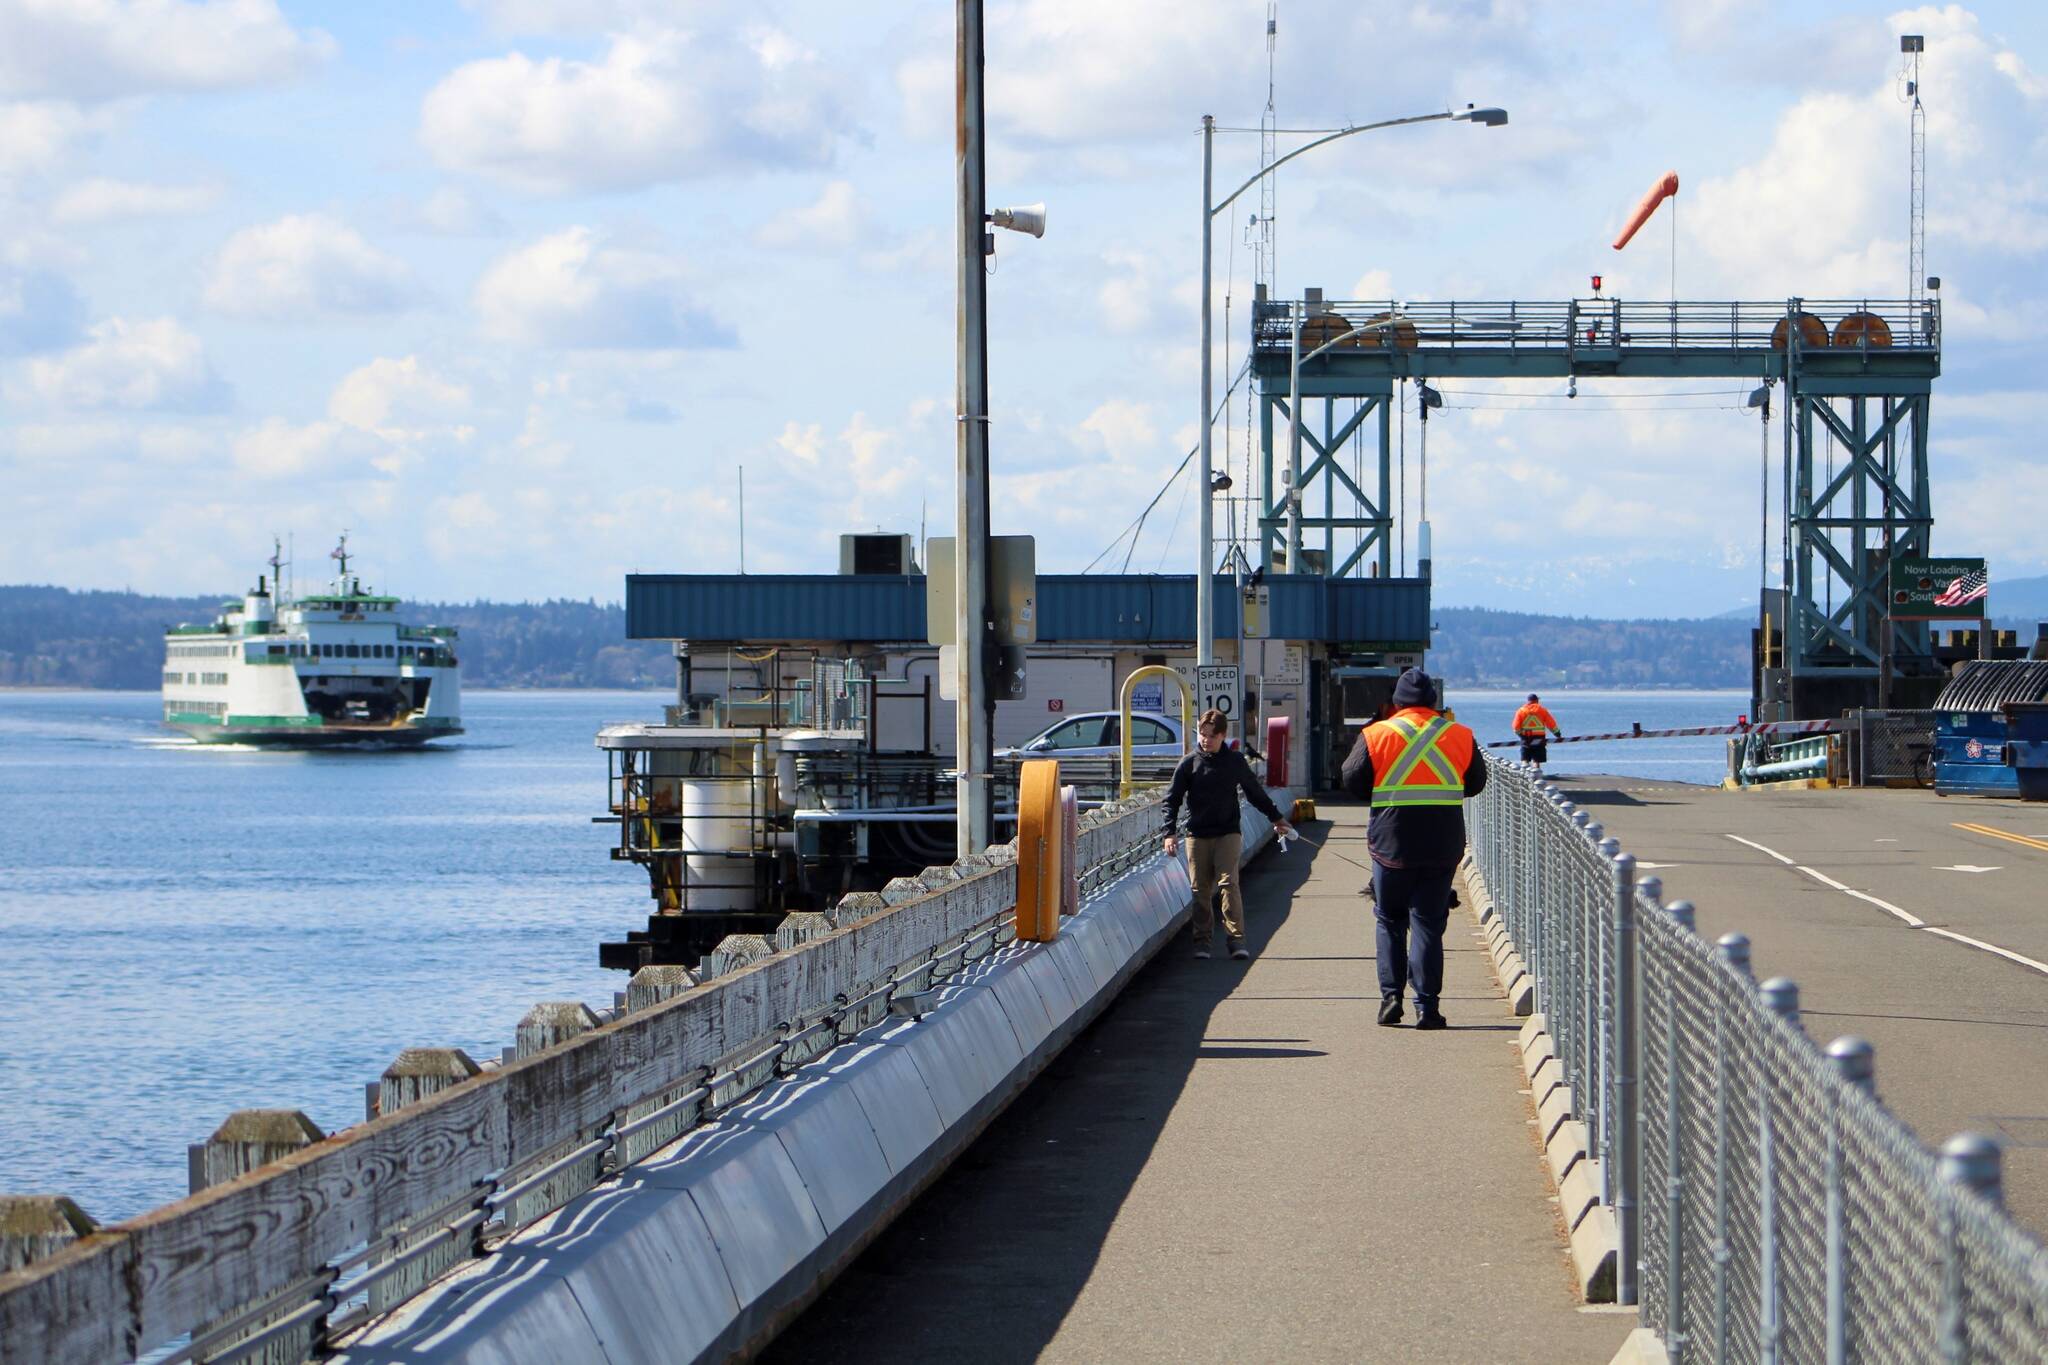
x,y
2006,835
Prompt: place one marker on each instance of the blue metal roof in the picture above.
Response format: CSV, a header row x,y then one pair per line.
x,y
1108,608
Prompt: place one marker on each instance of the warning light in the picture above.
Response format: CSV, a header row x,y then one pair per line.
x,y
1596,284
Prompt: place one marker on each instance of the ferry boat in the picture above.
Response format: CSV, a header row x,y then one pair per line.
x,y
337,667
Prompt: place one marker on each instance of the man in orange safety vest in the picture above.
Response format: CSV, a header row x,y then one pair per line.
x,y
1416,767
1530,722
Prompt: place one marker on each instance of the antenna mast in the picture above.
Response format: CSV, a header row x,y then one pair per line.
x,y
1913,44
1269,147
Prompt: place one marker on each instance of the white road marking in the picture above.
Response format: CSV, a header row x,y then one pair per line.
x,y
1884,841
1912,920
1968,867
1761,849
2041,967
1653,867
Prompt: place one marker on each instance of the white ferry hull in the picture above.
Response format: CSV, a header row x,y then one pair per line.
x,y
332,668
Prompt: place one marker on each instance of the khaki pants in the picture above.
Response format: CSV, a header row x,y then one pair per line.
x,y
1213,865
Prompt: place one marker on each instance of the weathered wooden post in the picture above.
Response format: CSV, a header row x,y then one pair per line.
x,y
735,951
246,1139
652,985
801,927
413,1075
551,1022
33,1226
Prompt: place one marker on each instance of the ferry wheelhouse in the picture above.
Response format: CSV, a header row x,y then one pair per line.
x,y
336,667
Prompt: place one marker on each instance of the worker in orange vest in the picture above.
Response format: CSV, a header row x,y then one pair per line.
x,y
1416,767
1530,723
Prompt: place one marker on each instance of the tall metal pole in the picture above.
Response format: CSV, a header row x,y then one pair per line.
x,y
970,469
1293,493
1205,605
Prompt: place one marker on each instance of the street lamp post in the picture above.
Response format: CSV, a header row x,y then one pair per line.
x,y
1205,621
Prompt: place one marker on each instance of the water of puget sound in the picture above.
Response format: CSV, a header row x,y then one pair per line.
x,y
188,930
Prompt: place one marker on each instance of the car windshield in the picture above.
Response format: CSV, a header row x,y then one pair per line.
x,y
1082,732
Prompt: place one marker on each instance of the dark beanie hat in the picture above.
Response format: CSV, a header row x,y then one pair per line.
x,y
1532,696
1415,688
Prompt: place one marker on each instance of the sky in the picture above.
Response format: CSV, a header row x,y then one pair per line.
x,y
512,290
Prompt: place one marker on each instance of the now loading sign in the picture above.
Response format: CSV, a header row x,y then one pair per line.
x,y
1939,590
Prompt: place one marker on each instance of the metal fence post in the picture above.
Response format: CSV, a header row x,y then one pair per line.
x,y
1735,952
1627,1227
1608,849
1681,913
1969,1161
1854,1061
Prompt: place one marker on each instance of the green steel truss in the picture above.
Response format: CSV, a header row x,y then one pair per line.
x,y
1852,382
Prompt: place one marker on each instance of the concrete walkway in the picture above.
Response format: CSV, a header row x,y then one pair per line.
x,y
1237,1164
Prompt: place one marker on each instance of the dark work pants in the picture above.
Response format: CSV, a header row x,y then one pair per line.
x,y
1417,899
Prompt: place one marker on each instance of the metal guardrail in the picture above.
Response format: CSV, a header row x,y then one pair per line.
x,y
1594,324
277,1264
1769,1208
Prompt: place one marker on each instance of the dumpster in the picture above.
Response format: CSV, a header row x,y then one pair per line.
x,y
2026,747
1991,726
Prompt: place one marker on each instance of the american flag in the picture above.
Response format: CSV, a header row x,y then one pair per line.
x,y
1971,587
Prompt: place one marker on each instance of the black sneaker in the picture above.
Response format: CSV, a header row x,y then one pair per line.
x,y
1238,950
1390,1010
1431,1019
1203,952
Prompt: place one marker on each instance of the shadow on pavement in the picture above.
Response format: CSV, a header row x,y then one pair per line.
x,y
987,1263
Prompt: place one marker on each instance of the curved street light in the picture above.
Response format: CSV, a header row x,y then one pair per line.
x,y
1205,607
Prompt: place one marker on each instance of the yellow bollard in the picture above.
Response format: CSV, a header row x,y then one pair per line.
x,y
1041,850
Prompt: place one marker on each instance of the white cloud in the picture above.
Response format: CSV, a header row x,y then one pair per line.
x,y
38,135
1821,211
151,364
658,107
278,449
1078,73
392,396
307,266
835,220
574,290
100,200
107,49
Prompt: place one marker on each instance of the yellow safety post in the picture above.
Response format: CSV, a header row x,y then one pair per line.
x,y
1187,714
1041,850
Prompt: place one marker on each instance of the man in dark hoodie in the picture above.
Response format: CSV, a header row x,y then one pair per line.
x,y
1416,767
1209,779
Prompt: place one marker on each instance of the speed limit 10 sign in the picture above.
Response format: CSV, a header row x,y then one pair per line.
x,y
1217,689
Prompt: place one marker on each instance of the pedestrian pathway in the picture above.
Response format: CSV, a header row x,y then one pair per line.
x,y
1237,1164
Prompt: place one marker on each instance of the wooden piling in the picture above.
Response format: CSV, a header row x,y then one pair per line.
x,y
246,1139
33,1226
652,985
551,1022
419,1072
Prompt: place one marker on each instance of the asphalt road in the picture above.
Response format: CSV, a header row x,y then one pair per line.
x,y
1236,1164
1828,884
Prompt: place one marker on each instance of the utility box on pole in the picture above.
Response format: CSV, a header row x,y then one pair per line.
x,y
1012,589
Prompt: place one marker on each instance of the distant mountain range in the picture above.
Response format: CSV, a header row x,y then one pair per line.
x,y
2016,603
54,637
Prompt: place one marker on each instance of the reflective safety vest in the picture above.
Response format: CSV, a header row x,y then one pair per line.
x,y
1417,762
1533,719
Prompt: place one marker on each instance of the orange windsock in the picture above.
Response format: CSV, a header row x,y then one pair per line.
x,y
1666,186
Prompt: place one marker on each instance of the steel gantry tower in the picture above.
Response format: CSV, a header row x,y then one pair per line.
x,y
1856,378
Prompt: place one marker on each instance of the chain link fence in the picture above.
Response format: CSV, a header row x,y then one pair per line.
x,y
1894,747
1769,1208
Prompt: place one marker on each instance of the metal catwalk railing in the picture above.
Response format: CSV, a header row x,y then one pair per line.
x,y
1769,1208
1861,325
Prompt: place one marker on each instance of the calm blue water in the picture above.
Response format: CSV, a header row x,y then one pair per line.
x,y
186,931
1590,713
